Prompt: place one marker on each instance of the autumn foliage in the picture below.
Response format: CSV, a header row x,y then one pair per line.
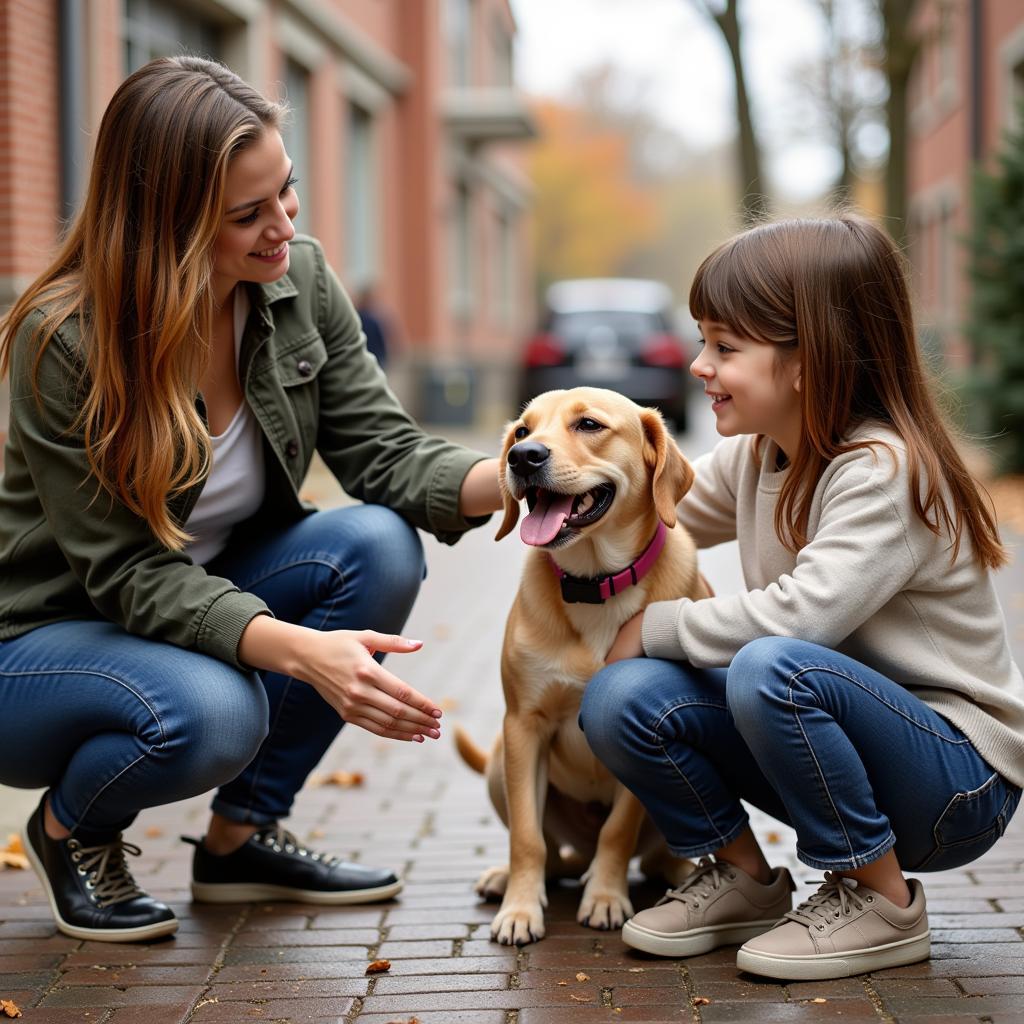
x,y
588,215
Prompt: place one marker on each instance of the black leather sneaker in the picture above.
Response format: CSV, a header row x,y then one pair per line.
x,y
90,889
273,865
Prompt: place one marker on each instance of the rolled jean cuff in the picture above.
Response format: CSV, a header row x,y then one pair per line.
x,y
241,815
858,860
711,846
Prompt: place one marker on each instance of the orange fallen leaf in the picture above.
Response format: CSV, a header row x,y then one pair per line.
x,y
316,833
346,780
13,855
154,832
9,1009
579,999
773,838
378,967
701,1001
582,977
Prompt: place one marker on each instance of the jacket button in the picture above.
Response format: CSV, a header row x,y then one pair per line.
x,y
305,367
291,449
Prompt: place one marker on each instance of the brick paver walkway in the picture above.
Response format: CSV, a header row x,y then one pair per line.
x,y
421,810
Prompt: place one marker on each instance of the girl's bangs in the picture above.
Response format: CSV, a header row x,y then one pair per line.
x,y
724,293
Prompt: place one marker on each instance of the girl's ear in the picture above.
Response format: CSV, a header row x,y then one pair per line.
x,y
672,475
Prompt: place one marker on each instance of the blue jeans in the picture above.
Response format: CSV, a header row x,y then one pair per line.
x,y
854,762
113,723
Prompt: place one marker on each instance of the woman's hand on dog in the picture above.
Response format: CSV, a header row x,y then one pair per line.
x,y
627,644
339,665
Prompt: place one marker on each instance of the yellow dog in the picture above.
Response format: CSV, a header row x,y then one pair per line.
x,y
601,478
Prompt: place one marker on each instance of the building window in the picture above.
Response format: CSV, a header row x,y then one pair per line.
x,y
503,57
360,199
458,23
462,249
163,28
295,132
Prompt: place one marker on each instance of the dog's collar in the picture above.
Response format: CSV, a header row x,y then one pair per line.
x,y
579,590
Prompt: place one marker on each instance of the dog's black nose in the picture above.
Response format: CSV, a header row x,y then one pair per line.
x,y
527,457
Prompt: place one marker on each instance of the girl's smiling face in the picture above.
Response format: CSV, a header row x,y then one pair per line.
x,y
753,388
260,205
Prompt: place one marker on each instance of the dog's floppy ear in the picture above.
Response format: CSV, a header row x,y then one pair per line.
x,y
672,474
510,504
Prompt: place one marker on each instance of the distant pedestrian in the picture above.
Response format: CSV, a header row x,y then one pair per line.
x,y
173,617
376,326
862,690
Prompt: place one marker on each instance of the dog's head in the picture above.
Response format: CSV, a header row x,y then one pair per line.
x,y
586,459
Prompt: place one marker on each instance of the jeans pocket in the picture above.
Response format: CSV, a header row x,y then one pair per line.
x,y
971,823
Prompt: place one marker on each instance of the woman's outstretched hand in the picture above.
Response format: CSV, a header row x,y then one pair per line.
x,y
339,664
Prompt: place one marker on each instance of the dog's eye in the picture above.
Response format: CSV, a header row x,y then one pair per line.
x,y
589,425
520,433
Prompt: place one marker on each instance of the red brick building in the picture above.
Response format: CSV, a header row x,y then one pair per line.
x,y
966,86
404,131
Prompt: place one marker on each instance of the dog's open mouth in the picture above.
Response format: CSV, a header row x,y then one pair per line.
x,y
554,516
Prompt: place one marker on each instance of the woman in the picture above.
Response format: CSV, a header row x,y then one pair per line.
x,y
172,617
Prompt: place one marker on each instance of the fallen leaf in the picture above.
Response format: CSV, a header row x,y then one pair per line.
x,y
582,977
378,967
819,1000
206,1002
13,854
637,970
9,1009
346,780
316,833
579,999
701,1001
154,832
773,838
563,983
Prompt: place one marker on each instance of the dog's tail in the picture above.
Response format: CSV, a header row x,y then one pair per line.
x,y
469,751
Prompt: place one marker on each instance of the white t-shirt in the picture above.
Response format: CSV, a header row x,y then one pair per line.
x,y
234,489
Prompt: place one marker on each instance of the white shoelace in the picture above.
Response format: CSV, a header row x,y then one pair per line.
x,y
705,880
837,897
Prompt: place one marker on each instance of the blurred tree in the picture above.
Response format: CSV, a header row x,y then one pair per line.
x,y
996,318
753,196
900,49
589,213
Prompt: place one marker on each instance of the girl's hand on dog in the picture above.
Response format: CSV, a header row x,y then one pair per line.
x,y
627,644
339,664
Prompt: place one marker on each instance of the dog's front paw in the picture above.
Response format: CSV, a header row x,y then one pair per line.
x,y
519,921
492,883
604,908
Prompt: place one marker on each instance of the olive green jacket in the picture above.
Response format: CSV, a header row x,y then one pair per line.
x,y
67,554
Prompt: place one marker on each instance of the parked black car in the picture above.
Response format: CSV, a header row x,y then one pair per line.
x,y
616,333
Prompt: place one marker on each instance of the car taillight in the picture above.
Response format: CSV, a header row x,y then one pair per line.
x,y
544,350
663,350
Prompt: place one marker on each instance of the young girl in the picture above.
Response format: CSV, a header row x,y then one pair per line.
x,y
172,617
862,689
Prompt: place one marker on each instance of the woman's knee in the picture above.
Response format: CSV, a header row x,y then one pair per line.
x,y
219,721
387,545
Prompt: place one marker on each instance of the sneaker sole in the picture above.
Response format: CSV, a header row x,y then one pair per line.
x,y
695,941
824,966
246,892
149,931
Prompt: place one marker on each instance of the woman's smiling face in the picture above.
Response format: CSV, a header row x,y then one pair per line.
x,y
259,207
753,389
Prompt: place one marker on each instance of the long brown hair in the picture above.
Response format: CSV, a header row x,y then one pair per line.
x,y
834,293
135,270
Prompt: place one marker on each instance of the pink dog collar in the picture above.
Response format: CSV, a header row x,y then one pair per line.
x,y
578,590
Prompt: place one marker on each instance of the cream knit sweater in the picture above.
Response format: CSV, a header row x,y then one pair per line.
x,y
872,582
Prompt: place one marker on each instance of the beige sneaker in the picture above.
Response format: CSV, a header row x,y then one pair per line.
x,y
843,929
717,905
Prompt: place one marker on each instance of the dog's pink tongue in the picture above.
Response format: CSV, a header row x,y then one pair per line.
x,y
541,526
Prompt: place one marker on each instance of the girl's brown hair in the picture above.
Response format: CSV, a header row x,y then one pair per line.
x,y
135,271
833,292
